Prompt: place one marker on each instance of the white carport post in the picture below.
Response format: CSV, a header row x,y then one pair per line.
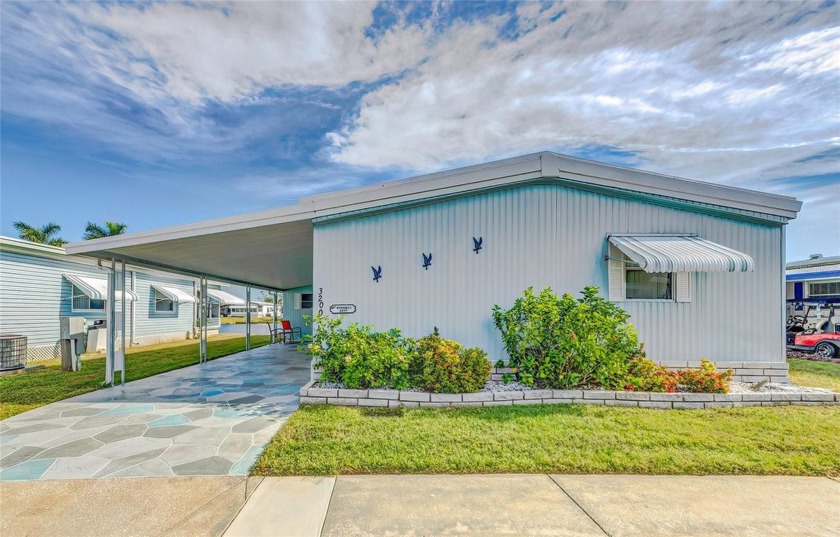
x,y
122,328
202,323
110,304
274,330
247,317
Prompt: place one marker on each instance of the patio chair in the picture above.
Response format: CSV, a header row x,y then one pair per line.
x,y
286,329
273,333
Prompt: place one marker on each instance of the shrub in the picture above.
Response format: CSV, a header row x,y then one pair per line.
x,y
566,343
646,376
360,357
444,366
706,379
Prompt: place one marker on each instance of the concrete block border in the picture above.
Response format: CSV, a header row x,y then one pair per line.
x,y
394,398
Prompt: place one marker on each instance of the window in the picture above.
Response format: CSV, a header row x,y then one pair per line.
x,y
163,304
824,289
627,281
82,302
641,285
306,301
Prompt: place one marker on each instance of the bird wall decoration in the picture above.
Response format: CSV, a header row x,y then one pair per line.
x,y
477,244
427,261
377,273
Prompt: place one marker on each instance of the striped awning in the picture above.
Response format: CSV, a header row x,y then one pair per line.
x,y
225,298
96,288
174,294
681,253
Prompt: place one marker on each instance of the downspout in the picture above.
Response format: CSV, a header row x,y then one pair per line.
x,y
783,308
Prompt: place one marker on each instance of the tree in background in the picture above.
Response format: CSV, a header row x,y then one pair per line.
x,y
95,231
45,234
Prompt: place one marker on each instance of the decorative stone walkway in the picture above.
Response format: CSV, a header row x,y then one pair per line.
x,y
209,419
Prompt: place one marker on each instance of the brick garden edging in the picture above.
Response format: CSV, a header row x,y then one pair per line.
x,y
394,398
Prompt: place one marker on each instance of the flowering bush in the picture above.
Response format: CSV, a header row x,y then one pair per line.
x,y
646,376
444,366
566,343
706,379
359,357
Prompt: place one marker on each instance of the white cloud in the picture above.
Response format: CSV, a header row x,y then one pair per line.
x,y
734,93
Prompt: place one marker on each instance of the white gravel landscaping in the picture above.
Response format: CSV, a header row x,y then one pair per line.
x,y
769,387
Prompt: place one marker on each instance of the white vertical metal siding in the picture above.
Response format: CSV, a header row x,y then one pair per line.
x,y
545,235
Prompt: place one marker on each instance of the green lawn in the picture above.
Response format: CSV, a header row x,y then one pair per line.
x,y
816,374
241,320
25,391
326,440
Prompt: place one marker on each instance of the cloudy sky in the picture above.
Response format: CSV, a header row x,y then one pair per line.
x,y
157,114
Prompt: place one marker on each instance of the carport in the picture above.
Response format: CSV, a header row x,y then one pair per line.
x,y
270,250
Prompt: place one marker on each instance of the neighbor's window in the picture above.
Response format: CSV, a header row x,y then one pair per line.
x,y
163,304
824,289
82,302
641,285
306,301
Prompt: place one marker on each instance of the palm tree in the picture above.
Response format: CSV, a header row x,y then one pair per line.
x,y
95,231
43,235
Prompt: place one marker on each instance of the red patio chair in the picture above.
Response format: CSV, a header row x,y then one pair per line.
x,y
286,329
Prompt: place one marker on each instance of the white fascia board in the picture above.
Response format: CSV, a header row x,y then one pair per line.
x,y
433,182
610,176
507,172
10,243
270,217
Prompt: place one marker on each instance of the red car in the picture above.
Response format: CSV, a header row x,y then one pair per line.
x,y
821,337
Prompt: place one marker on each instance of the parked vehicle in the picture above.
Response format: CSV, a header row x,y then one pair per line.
x,y
815,331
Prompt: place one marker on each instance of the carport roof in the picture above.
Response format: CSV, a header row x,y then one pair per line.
x,y
273,248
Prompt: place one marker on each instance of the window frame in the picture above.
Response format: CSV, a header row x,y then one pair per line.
x,y
74,296
165,298
827,294
617,264
672,277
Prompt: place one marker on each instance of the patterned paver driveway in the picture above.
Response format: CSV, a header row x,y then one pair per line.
x,y
209,419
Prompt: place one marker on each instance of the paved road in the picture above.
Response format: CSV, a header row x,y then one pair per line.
x,y
472,505
209,419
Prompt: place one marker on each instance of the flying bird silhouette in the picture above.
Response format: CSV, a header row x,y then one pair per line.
x,y
477,244
377,273
427,261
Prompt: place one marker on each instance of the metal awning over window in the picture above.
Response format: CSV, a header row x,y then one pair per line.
x,y
225,298
174,294
96,288
681,253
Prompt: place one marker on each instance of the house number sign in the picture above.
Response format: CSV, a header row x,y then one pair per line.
x,y
320,301
342,309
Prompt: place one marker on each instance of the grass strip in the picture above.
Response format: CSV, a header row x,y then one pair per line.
x,y
25,391
575,439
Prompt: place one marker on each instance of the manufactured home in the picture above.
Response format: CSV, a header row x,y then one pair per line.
x,y
699,266
40,283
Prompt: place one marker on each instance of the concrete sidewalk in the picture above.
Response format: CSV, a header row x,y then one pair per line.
x,y
424,505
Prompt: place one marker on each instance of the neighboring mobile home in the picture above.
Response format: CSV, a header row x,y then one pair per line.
x,y
816,279
699,266
40,283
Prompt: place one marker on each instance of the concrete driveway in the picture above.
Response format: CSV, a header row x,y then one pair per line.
x,y
209,419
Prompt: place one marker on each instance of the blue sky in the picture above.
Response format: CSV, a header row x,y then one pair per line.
x,y
158,114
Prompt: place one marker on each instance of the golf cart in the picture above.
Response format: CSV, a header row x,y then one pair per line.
x,y
816,331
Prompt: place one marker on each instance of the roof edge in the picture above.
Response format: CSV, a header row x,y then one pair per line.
x,y
463,180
